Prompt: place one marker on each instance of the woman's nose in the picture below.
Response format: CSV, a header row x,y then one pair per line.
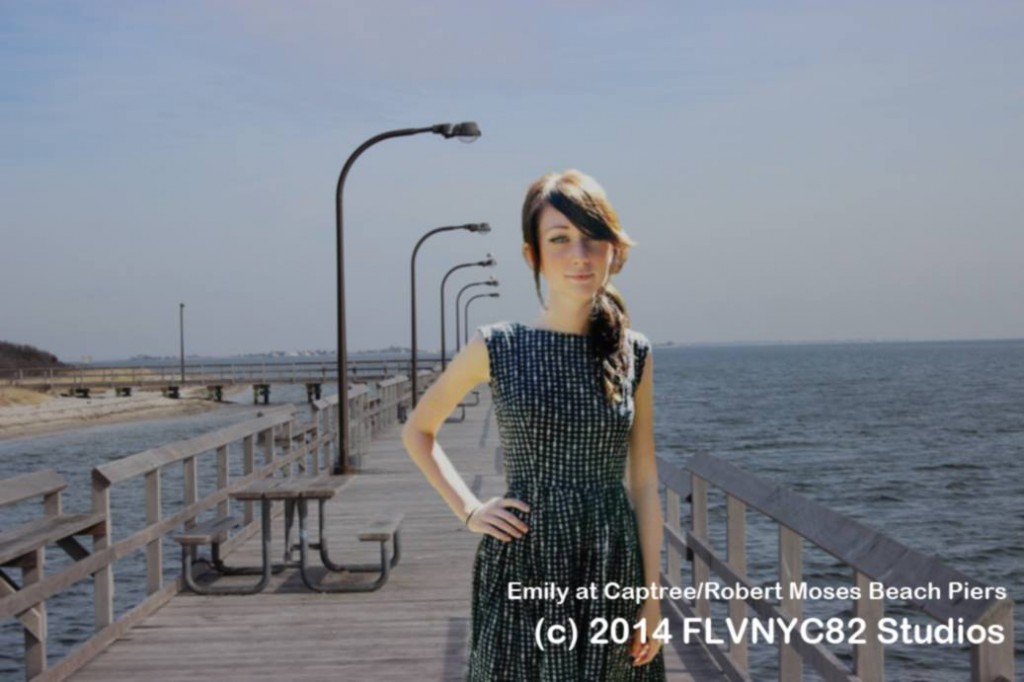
x,y
581,251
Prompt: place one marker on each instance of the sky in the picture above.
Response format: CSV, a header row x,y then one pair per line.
x,y
790,171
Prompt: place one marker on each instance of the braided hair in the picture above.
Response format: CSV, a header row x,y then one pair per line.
x,y
583,201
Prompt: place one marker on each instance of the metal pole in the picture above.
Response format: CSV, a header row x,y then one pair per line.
x,y
472,227
181,329
458,297
341,466
445,129
465,313
489,262
444,359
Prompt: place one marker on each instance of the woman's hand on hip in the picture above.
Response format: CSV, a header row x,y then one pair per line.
x,y
493,518
641,651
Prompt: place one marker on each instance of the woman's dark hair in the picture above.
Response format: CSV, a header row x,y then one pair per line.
x,y
583,201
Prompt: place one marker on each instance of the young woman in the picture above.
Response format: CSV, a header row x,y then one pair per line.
x,y
573,398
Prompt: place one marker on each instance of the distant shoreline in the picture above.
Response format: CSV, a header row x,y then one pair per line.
x,y
63,413
428,354
434,354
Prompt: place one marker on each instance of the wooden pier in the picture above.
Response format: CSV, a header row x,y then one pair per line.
x,y
417,626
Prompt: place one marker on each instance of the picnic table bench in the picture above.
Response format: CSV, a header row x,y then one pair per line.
x,y
295,492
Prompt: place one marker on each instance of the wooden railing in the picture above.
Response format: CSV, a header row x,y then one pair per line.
x,y
372,410
872,556
309,447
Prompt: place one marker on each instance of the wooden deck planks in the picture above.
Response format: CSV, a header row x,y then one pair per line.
x,y
415,627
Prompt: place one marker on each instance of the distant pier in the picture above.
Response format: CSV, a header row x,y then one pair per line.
x,y
216,377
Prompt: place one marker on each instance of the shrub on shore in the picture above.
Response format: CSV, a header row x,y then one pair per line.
x,y
18,356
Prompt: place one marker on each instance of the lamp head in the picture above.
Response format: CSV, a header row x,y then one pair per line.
x,y
493,294
467,131
482,228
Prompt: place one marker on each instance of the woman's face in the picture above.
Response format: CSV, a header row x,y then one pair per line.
x,y
573,264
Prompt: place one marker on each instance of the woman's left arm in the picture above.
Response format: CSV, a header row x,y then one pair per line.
x,y
642,475
642,481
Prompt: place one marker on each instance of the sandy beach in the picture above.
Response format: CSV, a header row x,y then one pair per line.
x,y
24,412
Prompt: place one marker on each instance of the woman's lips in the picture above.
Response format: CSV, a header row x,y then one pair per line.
x,y
581,278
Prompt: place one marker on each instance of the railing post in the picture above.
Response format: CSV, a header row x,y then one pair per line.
x,y
333,418
35,636
288,443
869,657
103,579
191,482
370,414
994,662
315,434
248,466
52,505
222,479
364,429
358,421
673,515
268,454
392,403
323,434
736,557
701,573
790,573
154,548
268,445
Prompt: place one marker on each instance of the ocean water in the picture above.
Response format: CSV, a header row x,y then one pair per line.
x,y
921,441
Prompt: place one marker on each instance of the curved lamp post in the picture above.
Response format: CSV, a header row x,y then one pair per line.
x,y
492,282
467,131
488,262
466,312
482,228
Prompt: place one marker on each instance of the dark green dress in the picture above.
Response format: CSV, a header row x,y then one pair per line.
x,y
565,450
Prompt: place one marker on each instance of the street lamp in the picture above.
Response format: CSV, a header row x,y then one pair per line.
x,y
488,262
482,228
466,315
181,330
492,282
466,132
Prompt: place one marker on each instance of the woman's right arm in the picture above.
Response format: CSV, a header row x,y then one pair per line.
x,y
468,368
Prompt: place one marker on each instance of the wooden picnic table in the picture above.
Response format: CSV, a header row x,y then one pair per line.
x,y
295,492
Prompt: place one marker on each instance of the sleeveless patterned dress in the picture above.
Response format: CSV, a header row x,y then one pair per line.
x,y
565,450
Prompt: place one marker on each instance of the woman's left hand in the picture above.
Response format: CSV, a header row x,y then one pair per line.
x,y
644,652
